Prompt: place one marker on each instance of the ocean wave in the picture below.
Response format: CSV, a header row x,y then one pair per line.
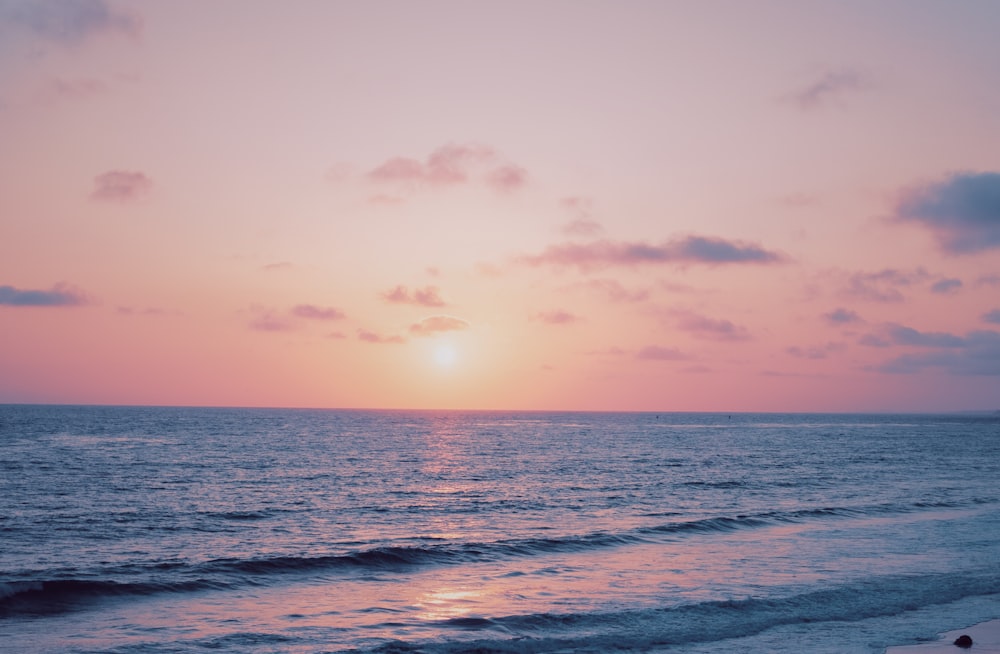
x,y
702,622
59,592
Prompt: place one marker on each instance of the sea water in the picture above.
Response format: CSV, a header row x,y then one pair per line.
x,y
128,529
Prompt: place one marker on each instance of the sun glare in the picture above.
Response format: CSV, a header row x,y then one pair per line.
x,y
445,355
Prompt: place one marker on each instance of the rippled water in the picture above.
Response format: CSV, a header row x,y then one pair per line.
x,y
248,530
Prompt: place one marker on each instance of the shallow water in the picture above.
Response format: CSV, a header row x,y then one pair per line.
x,y
250,530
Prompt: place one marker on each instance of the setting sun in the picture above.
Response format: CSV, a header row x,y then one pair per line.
x,y
445,355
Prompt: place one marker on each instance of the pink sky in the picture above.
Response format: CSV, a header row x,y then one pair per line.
x,y
733,206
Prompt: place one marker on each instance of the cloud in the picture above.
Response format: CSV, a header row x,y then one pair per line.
x,y
683,250
451,165
268,321
277,265
313,312
60,295
988,280
946,286
882,286
830,88
902,335
69,22
372,337
816,351
426,297
615,292
842,316
992,317
507,178
709,328
583,223
558,317
978,354
120,186
962,211
437,324
658,353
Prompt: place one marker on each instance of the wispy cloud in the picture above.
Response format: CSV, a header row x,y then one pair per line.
x,y
841,316
681,250
373,337
614,291
269,321
557,317
946,286
830,88
976,353
429,296
882,286
815,351
437,324
448,166
69,22
120,186
313,312
60,295
277,265
583,223
992,317
962,211
709,328
659,353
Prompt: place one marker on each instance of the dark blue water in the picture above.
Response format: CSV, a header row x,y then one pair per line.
x,y
250,530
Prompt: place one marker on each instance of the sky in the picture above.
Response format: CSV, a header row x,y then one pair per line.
x,y
558,205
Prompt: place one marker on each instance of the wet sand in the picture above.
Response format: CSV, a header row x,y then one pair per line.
x,y
985,640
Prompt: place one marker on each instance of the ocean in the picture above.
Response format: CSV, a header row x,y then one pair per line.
x,y
134,529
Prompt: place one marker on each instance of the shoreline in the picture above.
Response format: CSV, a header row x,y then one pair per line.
x,y
985,640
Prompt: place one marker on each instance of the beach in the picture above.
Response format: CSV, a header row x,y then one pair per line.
x,y
985,640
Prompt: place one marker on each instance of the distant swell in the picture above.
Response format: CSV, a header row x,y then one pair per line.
x,y
62,595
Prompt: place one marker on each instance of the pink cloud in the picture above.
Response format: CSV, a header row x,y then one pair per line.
x,y
120,186
267,321
277,265
681,250
829,88
709,328
615,292
816,351
558,317
313,312
372,337
658,353
426,297
507,178
450,165
436,324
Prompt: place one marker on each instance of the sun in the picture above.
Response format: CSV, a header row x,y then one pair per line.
x,y
445,355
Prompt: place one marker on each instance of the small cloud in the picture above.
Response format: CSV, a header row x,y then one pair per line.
x,y
992,317
71,89
611,352
710,328
437,324
60,295
615,292
830,88
684,250
336,335
988,280
962,211
69,22
507,178
268,321
874,340
277,266
120,186
372,337
816,351
148,311
902,335
557,317
450,165
946,286
313,312
428,296
658,353
882,286
842,316
978,354
584,227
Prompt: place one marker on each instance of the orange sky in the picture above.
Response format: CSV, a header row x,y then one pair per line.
x,y
774,206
